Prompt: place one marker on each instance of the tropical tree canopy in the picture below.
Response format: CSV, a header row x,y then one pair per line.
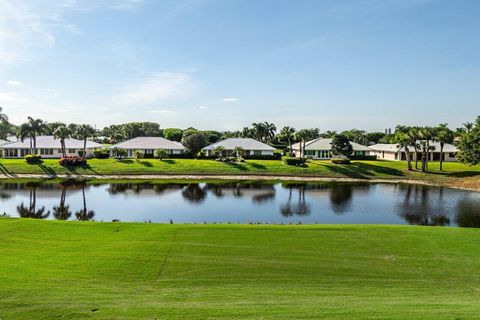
x,y
341,146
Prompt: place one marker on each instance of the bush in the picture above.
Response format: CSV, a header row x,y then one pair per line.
x,y
363,158
160,154
101,154
33,158
275,156
291,161
72,161
138,154
341,161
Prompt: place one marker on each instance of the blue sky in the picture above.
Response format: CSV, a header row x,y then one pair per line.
x,y
223,64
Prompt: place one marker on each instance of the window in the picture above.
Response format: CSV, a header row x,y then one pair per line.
x,y
257,152
71,151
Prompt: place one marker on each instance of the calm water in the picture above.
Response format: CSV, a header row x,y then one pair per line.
x,y
245,202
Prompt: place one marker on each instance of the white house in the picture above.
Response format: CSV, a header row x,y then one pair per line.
x,y
47,147
149,145
321,149
250,146
393,152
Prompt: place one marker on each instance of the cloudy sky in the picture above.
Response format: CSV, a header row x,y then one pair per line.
x,y
223,64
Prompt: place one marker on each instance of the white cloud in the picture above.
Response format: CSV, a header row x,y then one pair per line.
x,y
202,107
154,88
14,83
7,98
162,111
229,99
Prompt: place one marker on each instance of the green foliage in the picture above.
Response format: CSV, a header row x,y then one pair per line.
x,y
33,158
195,142
102,153
291,161
341,146
218,151
174,134
469,145
138,154
160,154
341,160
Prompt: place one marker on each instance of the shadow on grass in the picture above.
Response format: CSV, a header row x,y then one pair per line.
x,y
169,161
239,166
463,174
146,163
86,167
4,170
47,170
258,166
363,170
126,161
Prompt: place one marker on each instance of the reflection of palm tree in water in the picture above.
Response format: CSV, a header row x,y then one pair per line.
x,y
419,212
62,212
300,208
194,193
31,211
84,214
340,197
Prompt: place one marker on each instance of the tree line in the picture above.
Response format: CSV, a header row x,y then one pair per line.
x,y
415,140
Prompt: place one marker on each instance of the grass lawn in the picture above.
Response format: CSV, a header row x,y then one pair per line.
x,y
72,270
358,169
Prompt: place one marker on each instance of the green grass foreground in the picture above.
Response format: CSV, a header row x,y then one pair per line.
x,y
67,270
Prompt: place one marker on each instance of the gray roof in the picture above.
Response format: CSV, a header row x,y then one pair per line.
x,y
149,143
326,144
392,147
2,142
245,143
51,143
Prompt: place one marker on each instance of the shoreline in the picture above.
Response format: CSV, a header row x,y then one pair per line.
x,y
242,177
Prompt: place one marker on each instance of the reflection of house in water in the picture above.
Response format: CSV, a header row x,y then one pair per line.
x,y
143,188
258,192
420,207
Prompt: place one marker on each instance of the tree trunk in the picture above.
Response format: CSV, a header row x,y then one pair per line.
x,y
84,148
416,157
441,156
409,160
290,144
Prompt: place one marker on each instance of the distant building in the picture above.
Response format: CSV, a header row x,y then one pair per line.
x,y
47,147
250,146
321,149
149,145
391,151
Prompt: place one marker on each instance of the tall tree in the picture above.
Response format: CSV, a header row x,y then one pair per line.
x,y
84,132
469,145
405,141
414,134
341,146
32,128
62,133
288,133
426,135
444,135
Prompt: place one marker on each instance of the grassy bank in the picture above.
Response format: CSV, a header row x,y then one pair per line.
x,y
53,270
454,173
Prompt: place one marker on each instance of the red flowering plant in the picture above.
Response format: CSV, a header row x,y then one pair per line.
x,y
72,161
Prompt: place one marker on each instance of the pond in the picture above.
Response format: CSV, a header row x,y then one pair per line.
x,y
243,202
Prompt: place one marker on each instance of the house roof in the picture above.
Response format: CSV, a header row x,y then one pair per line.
x,y
2,142
326,144
392,147
245,143
51,143
149,143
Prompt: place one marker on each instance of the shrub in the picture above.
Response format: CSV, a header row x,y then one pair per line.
x,y
138,154
341,161
72,161
160,154
275,156
101,154
291,161
363,158
33,158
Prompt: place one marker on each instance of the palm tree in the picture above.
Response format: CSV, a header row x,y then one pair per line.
x,y
239,151
270,130
404,140
84,132
414,134
288,133
426,135
260,131
444,135
62,133
84,214
32,128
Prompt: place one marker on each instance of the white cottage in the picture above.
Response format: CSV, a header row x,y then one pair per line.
x,y
149,144
391,151
250,146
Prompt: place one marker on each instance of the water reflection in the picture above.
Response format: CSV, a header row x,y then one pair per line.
x,y
425,206
243,202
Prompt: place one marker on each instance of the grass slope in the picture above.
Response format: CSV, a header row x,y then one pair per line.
x,y
53,270
358,169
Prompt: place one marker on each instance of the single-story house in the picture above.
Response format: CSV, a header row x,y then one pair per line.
x,y
47,147
250,146
391,151
2,142
149,145
321,149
